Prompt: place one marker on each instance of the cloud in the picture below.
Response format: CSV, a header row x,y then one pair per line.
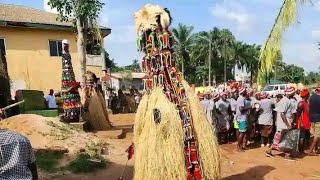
x,y
305,55
234,12
47,8
315,34
317,6
121,43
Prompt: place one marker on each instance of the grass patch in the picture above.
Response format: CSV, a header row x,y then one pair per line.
x,y
84,164
48,161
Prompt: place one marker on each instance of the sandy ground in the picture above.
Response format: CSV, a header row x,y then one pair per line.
x,y
50,133
251,164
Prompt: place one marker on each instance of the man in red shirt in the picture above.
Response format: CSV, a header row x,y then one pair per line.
x,y
303,121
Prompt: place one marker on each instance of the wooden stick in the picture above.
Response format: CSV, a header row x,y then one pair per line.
x,y
121,176
12,105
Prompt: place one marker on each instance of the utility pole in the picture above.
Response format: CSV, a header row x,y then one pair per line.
x,y
182,66
209,58
225,60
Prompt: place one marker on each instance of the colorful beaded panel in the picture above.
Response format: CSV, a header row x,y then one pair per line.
x,y
71,100
159,66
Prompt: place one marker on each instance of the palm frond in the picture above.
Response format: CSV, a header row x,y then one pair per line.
x,y
268,54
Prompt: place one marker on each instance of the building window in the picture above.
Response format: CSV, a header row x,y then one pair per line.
x,y
55,48
2,46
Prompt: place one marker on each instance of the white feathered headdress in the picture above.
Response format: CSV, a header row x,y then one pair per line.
x,y
151,17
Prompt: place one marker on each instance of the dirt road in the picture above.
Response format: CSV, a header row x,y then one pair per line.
x,y
248,165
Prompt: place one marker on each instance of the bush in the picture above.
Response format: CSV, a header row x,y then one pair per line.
x,y
49,161
84,164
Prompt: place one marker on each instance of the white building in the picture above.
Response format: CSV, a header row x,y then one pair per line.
x,y
117,80
241,74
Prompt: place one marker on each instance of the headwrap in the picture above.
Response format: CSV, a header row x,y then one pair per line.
x,y
304,92
263,95
290,90
65,41
225,93
234,85
215,96
241,89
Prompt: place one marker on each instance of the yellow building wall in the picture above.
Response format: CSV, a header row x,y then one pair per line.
x,y
29,60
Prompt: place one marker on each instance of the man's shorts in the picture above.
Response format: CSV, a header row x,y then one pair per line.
x,y
242,124
315,129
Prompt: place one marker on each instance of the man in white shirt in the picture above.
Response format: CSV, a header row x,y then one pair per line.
x,y
208,106
285,116
51,100
137,99
107,97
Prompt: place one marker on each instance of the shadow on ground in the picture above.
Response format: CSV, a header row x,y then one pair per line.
x,y
112,173
115,171
126,128
256,173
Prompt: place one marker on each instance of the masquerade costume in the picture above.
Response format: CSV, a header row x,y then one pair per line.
x,y
173,139
69,94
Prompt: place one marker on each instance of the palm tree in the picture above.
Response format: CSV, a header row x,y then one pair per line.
x,y
278,67
208,43
228,42
238,54
252,59
202,73
136,65
183,41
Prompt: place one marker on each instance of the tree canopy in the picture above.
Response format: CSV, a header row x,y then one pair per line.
x,y
202,56
84,9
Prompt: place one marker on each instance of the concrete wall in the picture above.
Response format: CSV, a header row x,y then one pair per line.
x,y
29,59
115,84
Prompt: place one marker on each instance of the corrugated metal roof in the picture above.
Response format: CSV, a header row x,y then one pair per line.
x,y
16,13
23,14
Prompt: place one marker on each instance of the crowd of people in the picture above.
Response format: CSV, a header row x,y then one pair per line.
x,y
249,117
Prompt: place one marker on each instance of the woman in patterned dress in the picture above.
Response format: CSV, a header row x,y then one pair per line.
x,y
69,89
